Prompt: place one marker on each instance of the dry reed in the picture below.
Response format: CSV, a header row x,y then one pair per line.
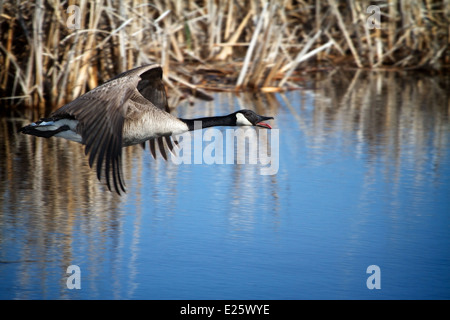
x,y
217,45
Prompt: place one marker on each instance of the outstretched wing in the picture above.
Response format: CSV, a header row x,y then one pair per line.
x,y
101,114
152,88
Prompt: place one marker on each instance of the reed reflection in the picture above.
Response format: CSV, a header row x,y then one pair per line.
x,y
398,118
51,207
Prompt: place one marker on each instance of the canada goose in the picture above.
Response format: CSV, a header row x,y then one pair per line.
x,y
126,110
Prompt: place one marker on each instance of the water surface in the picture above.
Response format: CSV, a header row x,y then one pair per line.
x,y
363,179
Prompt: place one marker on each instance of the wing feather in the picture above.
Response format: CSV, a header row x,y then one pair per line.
x,y
101,114
162,150
152,88
152,148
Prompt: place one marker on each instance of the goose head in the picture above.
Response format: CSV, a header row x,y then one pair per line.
x,y
250,118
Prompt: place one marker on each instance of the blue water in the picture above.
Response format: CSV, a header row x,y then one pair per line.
x,y
349,193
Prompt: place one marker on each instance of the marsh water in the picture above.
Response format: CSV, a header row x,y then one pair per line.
x,y
362,179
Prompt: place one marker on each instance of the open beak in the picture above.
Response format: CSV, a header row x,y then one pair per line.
x,y
262,124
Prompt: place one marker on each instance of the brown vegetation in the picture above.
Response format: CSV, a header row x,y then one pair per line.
x,y
218,45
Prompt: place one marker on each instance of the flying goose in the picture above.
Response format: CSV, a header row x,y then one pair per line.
x,y
126,110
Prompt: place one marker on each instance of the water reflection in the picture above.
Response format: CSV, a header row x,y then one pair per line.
x,y
377,115
54,212
392,119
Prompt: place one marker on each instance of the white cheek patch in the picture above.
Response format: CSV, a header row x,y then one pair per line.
x,y
241,120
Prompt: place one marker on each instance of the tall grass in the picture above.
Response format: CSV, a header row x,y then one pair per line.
x,y
218,45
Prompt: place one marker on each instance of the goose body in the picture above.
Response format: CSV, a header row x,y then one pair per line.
x,y
127,110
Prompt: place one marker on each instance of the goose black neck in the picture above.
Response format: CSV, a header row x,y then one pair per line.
x,y
200,123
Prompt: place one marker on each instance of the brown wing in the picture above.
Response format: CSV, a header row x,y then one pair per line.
x,y
101,114
152,88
